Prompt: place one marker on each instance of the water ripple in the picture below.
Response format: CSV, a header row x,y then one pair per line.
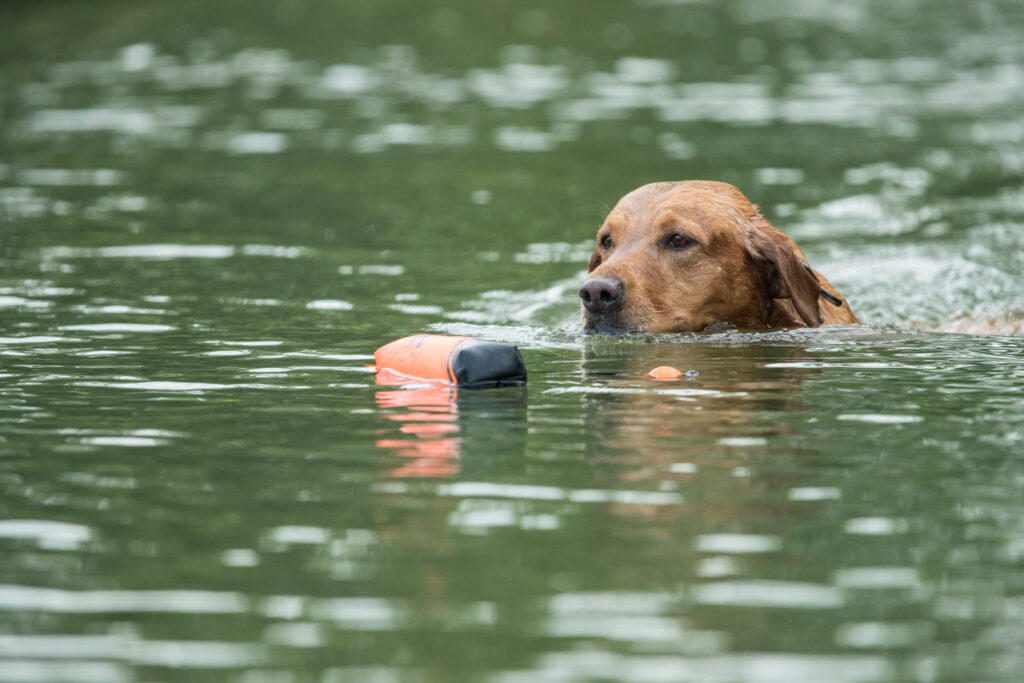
x,y
30,598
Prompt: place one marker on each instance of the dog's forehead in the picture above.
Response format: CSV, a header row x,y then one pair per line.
x,y
711,206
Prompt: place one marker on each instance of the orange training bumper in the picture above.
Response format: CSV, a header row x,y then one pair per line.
x,y
461,361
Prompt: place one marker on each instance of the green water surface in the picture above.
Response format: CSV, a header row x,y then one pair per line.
x,y
212,213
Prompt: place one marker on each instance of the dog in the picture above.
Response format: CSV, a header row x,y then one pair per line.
x,y
697,255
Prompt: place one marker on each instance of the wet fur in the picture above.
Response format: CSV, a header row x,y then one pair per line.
x,y
739,272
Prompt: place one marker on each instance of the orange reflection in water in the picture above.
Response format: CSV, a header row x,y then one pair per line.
x,y
427,415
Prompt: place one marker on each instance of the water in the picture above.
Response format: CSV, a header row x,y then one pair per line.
x,y
211,215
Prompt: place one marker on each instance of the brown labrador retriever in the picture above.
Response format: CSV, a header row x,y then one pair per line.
x,y
693,255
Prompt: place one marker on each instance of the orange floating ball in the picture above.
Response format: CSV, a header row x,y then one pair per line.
x,y
665,372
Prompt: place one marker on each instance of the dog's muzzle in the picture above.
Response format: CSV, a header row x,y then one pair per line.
x,y
603,299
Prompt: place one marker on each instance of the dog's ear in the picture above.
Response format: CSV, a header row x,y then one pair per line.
x,y
785,270
595,260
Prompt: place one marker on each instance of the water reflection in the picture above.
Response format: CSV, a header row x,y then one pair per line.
x,y
452,431
428,415
735,400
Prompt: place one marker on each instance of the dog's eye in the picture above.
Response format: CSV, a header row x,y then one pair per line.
x,y
606,242
679,241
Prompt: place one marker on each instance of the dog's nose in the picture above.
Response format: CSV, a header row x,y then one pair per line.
x,y
602,294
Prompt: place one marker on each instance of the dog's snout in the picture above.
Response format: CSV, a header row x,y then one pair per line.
x,y
602,294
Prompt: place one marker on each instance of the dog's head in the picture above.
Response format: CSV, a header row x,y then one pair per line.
x,y
685,256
